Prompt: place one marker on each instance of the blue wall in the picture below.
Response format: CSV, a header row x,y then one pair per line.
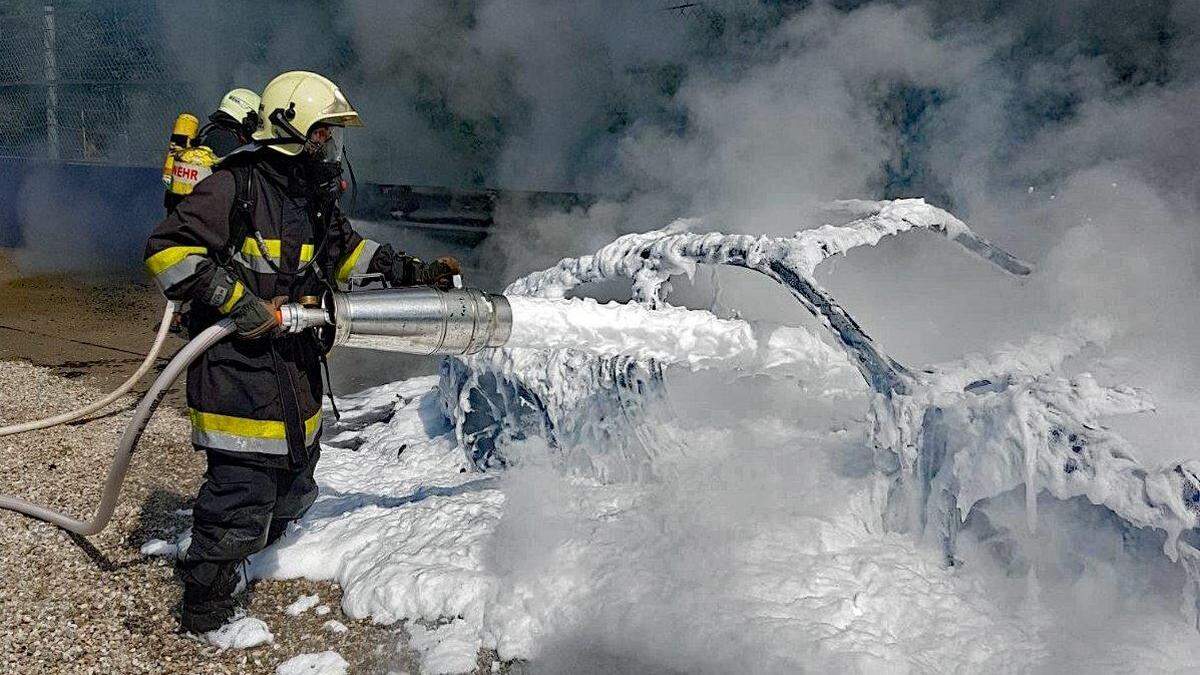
x,y
78,216
70,217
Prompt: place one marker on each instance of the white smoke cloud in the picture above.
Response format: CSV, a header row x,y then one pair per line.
x,y
751,115
1065,131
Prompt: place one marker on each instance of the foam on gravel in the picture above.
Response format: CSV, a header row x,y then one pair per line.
x,y
321,663
302,605
241,633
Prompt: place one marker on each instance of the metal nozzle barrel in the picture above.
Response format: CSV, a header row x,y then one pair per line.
x,y
420,320
411,320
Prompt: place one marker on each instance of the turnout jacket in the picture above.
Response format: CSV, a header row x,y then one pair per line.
x,y
260,399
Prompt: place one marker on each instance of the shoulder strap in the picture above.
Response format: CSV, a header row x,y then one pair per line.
x,y
202,132
242,210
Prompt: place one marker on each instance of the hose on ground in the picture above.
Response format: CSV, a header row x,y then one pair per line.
x,y
133,431
115,394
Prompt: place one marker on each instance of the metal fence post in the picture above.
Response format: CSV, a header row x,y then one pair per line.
x,y
52,149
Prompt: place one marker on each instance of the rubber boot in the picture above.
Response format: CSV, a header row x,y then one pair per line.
x,y
207,607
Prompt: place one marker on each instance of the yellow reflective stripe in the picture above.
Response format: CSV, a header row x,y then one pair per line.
x,y
170,257
249,428
311,425
251,248
347,266
234,296
237,426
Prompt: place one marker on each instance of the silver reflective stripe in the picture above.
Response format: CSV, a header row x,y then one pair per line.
x,y
255,263
364,260
178,272
234,443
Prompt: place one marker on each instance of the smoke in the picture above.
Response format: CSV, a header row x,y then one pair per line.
x,y
1064,131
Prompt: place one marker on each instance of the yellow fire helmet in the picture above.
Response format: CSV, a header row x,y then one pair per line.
x,y
295,101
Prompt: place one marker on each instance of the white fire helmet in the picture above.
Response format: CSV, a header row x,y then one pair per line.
x,y
239,104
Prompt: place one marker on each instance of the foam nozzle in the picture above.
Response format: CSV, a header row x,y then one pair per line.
x,y
420,320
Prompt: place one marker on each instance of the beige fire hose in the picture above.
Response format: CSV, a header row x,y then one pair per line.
x,y
133,431
115,394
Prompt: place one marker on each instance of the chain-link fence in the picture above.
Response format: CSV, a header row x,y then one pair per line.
x,y
86,85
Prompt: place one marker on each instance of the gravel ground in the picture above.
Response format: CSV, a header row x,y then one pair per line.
x,y
97,605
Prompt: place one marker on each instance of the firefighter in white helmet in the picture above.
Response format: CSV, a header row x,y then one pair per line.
x,y
263,229
194,152
232,124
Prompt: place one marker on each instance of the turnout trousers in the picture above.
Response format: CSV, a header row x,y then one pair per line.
x,y
242,507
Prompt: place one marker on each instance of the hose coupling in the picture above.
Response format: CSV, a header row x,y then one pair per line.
x,y
296,318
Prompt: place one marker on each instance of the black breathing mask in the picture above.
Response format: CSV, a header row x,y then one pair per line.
x,y
322,159
329,148
325,178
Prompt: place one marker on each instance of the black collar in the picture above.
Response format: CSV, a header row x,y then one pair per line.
x,y
285,172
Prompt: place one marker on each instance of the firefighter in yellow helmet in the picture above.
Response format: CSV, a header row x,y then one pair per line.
x,y
263,229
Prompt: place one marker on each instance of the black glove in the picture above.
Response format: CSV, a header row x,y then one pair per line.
x,y
401,269
255,317
397,268
440,273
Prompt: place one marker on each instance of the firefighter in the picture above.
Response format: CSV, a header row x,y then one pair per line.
x,y
192,156
262,230
232,124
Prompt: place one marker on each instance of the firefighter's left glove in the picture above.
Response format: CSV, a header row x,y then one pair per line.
x,y
257,318
441,272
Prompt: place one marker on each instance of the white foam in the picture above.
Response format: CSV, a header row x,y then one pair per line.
x,y
773,564
241,633
301,605
321,663
334,626
673,335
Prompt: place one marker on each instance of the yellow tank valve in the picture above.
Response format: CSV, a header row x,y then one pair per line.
x,y
186,126
182,133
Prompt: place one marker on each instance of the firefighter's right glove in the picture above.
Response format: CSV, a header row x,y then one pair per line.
x,y
256,318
